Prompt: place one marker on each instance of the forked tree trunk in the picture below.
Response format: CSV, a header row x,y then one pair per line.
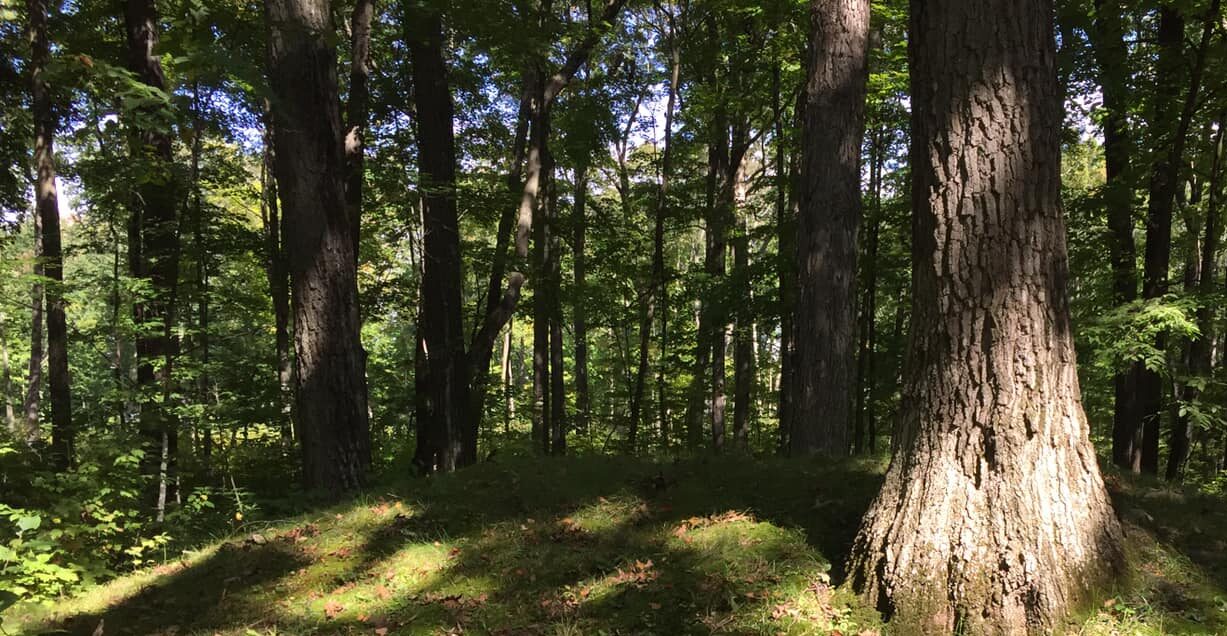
x,y
993,518
830,215
329,378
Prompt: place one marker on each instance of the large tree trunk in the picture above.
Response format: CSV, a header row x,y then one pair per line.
x,y
825,346
356,115
1108,38
329,378
153,245
47,206
442,322
993,518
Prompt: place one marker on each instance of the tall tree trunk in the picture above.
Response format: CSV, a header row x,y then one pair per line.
x,y
200,228
153,245
583,397
277,270
828,225
863,431
442,321
6,383
356,115
1108,39
659,277
1172,127
498,314
553,279
1200,349
329,363
787,185
32,427
743,330
993,517
541,289
47,206
508,380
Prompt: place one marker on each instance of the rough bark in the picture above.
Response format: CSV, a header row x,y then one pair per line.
x,y
830,214
993,518
442,320
329,363
1108,41
153,245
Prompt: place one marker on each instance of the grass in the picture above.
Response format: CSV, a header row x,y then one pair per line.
x,y
600,545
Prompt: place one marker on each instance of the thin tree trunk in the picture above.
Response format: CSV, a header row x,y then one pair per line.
x,y
659,277
1200,350
204,389
32,427
558,396
583,397
6,383
743,330
828,226
1108,40
277,271
787,180
1173,126
357,115
47,206
330,383
993,517
862,432
508,380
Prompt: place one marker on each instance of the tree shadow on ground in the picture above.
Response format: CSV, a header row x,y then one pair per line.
x,y
532,545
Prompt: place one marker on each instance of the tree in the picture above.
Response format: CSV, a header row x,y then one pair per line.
x,y
329,376
48,210
153,253
441,323
993,517
824,347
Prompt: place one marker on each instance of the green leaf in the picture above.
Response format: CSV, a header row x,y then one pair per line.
x,y
29,522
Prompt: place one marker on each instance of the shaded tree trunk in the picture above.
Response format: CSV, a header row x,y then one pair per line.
x,y
47,207
32,432
329,363
743,329
442,320
1200,349
830,215
543,165
6,383
583,397
357,114
1108,40
659,276
1172,126
863,431
993,517
277,271
153,255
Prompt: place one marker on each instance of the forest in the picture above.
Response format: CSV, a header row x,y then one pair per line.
x,y
560,317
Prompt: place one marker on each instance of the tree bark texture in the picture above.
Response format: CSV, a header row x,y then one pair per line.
x,y
356,115
993,518
830,213
330,382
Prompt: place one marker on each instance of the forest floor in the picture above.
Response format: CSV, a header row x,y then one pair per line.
x,y
604,546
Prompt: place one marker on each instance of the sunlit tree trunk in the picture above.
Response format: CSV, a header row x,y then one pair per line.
x,y
830,215
993,517
330,383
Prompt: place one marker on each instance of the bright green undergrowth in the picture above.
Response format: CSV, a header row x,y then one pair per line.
x,y
600,545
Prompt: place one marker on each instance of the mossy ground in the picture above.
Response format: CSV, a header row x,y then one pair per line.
x,y
601,545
